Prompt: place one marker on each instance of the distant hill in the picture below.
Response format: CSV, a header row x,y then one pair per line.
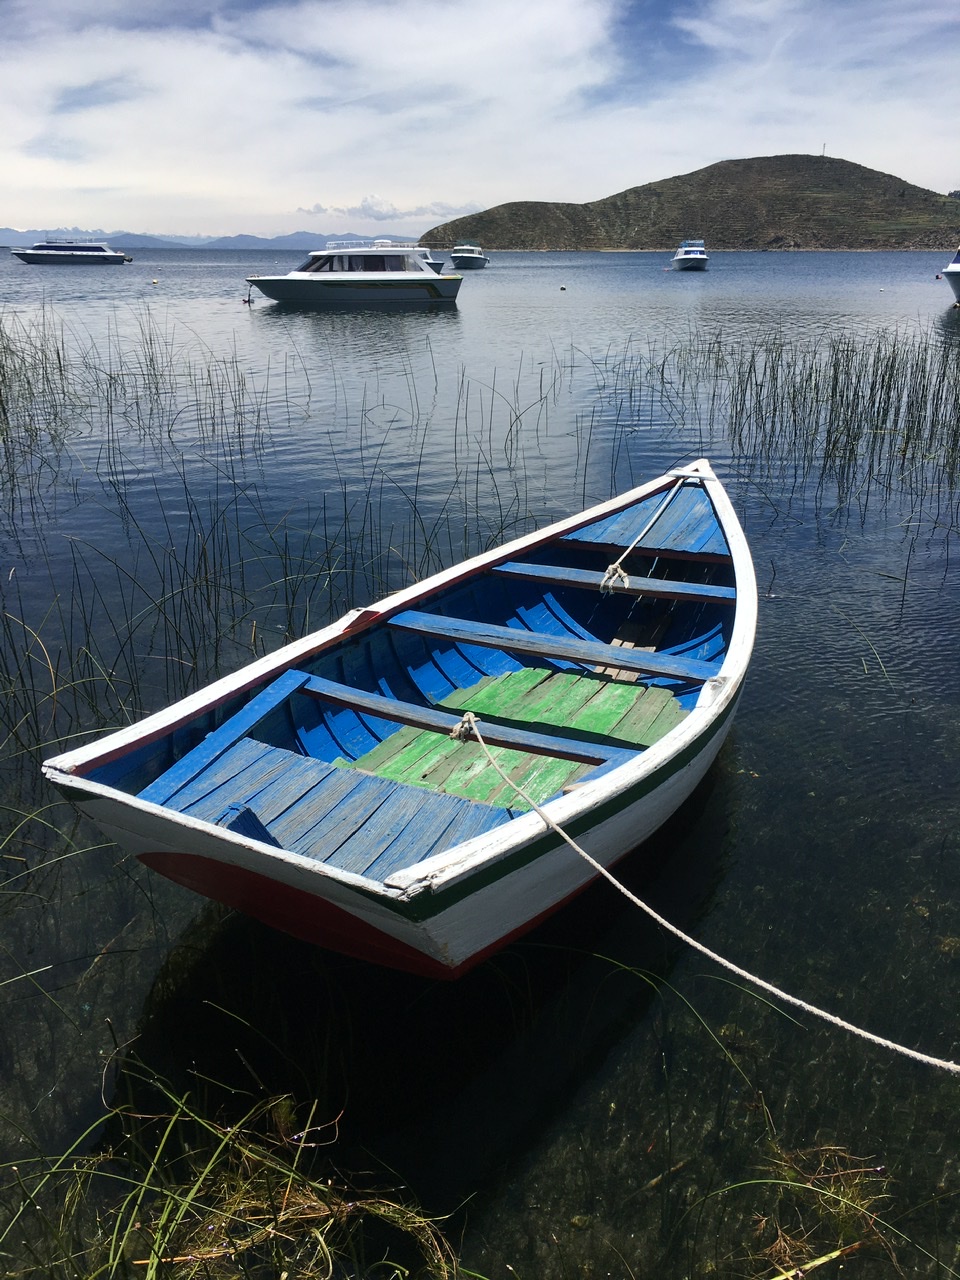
x,y
13,238
769,202
302,240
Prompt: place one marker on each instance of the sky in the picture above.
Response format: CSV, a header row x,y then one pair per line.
x,y
184,117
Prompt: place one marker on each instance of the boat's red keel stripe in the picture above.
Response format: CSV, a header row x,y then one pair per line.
x,y
302,915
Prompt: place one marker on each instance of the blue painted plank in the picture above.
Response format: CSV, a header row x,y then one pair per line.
x,y
470,819
239,725
242,821
590,580
687,525
239,774
622,527
592,653
340,816
444,721
413,817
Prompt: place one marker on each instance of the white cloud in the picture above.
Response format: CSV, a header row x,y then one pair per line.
x,y
249,117
373,208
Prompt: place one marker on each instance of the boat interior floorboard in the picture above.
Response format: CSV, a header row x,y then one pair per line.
x,y
419,791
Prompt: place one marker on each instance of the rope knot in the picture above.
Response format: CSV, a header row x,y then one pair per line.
x,y
466,728
615,573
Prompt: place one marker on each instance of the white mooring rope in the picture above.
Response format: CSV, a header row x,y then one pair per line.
x,y
615,572
467,728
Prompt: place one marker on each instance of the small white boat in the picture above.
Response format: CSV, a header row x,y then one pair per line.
x,y
71,253
691,256
375,273
951,273
468,257
339,789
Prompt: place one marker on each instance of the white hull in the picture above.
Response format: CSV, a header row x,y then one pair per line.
x,y
475,924
39,257
468,258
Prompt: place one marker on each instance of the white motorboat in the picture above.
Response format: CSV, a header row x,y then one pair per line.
x,y
70,253
376,273
468,257
951,273
691,256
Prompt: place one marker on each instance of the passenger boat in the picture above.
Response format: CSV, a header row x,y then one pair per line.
x,y
374,273
339,790
468,257
71,253
951,274
691,256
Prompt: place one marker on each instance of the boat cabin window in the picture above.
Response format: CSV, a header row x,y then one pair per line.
x,y
357,262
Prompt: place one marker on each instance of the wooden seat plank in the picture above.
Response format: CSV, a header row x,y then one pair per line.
x,y
238,771
540,644
407,817
469,820
662,588
442,722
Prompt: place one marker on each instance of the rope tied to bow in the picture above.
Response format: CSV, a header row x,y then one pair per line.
x,y
614,575
466,729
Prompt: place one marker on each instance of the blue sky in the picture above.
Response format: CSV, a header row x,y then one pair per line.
x,y
367,115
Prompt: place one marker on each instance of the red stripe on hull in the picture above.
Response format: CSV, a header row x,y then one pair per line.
x,y
302,915
315,920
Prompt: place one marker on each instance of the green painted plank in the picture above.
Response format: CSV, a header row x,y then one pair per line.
x,y
408,741
630,713
499,693
602,714
651,717
418,758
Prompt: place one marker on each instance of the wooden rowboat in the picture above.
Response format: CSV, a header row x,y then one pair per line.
x,y
320,790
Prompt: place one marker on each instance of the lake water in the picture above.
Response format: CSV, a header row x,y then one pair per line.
x,y
194,477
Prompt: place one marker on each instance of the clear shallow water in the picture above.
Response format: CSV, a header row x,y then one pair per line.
x,y
587,1118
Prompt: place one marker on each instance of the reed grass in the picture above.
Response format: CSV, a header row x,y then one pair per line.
x,y
852,413
178,1195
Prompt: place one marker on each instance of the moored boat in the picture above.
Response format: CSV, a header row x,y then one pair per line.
x,y
468,257
951,273
380,273
691,256
387,786
71,253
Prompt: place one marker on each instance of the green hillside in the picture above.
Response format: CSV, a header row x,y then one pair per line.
x,y
769,202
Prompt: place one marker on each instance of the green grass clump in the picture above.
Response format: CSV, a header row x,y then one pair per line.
x,y
178,1196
